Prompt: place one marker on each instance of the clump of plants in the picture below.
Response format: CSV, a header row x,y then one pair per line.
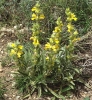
x,y
47,68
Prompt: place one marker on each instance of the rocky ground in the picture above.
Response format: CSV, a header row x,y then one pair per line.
x,y
6,71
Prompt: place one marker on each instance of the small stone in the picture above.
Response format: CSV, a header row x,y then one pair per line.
x,y
5,95
17,97
87,55
85,92
12,75
83,95
2,52
20,25
71,96
13,84
10,98
12,71
2,40
12,31
14,95
15,27
48,98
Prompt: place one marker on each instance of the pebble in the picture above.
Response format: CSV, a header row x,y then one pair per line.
x,y
12,75
2,40
14,95
10,98
13,84
17,97
2,52
5,95
83,95
12,71
20,25
15,27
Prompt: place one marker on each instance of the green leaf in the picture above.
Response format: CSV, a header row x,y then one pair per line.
x,y
26,96
72,83
70,76
87,98
39,91
55,94
45,89
66,89
33,89
80,80
25,56
76,70
71,86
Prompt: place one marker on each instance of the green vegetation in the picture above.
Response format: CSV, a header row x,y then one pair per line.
x,y
47,67
45,60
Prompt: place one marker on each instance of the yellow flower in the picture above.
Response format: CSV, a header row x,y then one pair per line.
x,y
12,52
75,40
57,29
47,58
20,47
56,41
19,53
55,48
41,16
70,16
35,42
75,33
73,17
34,17
57,35
13,45
78,39
35,9
51,40
48,46
59,22
70,27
